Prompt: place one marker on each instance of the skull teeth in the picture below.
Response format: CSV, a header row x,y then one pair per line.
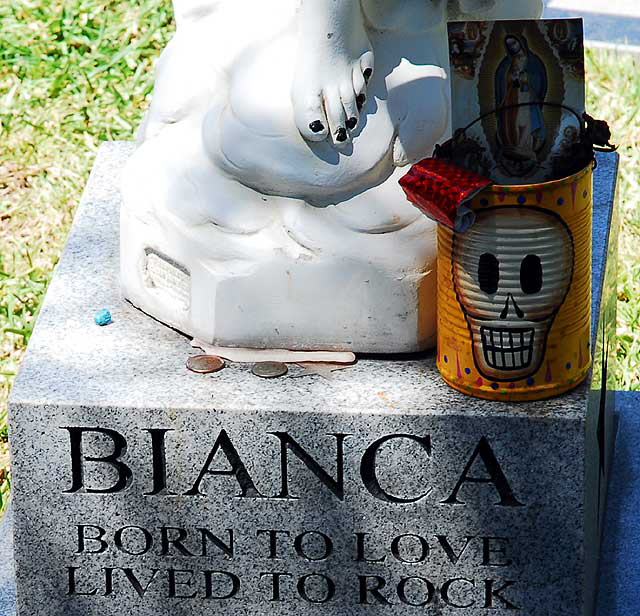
x,y
507,348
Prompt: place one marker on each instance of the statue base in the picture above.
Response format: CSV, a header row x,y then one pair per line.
x,y
372,292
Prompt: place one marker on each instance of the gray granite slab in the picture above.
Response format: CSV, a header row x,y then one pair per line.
x,y
7,566
381,490
620,575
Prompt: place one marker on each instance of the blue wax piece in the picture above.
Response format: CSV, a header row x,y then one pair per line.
x,y
103,317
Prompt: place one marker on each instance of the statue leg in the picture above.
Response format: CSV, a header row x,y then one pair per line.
x,y
171,174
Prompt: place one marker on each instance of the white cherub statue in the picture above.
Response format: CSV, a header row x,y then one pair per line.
x,y
262,207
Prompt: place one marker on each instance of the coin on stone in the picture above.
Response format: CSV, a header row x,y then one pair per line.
x,y
205,364
269,369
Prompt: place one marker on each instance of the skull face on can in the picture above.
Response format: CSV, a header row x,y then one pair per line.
x,y
512,272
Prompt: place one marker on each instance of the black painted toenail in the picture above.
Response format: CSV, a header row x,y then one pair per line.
x,y
351,123
341,135
317,126
360,101
367,74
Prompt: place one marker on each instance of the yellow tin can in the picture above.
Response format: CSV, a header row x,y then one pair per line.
x,y
514,292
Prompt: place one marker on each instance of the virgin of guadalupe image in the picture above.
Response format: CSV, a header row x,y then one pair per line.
x,y
521,77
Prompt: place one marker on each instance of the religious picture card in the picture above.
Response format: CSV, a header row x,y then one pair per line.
x,y
514,75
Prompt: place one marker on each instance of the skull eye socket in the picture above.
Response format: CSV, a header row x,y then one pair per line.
x,y
531,274
488,273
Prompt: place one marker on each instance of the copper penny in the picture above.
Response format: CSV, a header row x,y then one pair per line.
x,y
205,364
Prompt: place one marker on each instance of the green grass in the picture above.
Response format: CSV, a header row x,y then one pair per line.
x,y
74,73
614,95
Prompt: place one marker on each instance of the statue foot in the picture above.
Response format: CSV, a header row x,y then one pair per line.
x,y
330,91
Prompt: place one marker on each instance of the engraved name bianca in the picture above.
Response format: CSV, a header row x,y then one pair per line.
x,y
224,462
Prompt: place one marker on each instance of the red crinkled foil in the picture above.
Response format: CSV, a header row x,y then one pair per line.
x,y
438,188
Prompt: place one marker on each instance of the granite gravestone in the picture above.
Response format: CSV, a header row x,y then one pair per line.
x,y
144,489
